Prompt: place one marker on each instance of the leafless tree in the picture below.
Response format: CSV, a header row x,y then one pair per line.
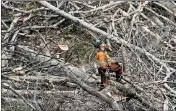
x,y
37,75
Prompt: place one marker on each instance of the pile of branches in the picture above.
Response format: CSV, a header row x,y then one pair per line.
x,y
142,36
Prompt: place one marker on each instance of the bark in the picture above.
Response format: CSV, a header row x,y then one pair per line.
x,y
39,93
31,35
92,91
15,100
27,102
50,79
133,94
116,38
94,29
100,8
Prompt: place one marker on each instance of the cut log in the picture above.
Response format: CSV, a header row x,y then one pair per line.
x,y
47,81
29,94
93,91
53,79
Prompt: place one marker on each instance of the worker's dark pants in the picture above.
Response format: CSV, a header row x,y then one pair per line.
x,y
103,77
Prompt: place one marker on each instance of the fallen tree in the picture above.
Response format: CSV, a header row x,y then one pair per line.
x,y
125,91
30,93
141,35
116,38
77,73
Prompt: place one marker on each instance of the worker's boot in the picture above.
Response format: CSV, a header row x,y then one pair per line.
x,y
105,83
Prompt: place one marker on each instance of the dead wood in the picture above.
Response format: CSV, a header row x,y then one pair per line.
x,y
140,34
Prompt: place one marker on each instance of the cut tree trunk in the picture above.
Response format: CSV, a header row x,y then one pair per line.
x,y
29,94
93,91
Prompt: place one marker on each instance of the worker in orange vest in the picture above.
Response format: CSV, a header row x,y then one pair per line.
x,y
106,64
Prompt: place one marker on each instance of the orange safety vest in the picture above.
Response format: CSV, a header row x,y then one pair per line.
x,y
104,60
